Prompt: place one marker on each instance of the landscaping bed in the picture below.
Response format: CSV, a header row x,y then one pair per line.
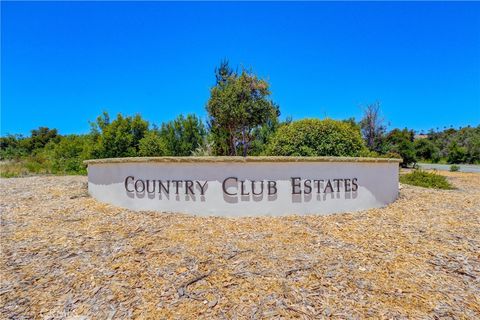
x,y
65,254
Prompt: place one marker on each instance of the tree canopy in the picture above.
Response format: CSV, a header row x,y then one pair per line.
x,y
238,104
242,120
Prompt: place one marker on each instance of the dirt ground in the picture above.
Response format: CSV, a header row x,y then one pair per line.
x,y
64,255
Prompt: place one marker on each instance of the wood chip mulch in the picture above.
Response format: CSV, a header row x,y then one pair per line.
x,y
65,255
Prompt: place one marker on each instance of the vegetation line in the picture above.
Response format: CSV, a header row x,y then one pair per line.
x,y
242,121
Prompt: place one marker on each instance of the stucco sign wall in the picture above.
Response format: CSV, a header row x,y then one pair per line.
x,y
236,186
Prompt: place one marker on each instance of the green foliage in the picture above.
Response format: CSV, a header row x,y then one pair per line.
x,y
119,138
464,144
262,136
12,169
204,150
13,147
64,155
401,142
67,156
223,72
41,136
152,145
20,168
242,119
238,104
425,149
220,139
351,121
17,146
182,136
406,150
454,168
122,137
426,179
390,155
456,153
314,137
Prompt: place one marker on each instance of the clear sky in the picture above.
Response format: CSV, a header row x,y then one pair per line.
x,y
64,63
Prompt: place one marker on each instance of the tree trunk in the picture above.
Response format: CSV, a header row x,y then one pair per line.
x,y
233,148
244,141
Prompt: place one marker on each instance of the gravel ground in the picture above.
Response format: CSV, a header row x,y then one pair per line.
x,y
64,255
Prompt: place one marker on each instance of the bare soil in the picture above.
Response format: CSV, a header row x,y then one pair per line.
x,y
65,255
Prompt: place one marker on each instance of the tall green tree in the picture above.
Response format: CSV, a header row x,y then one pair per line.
x,y
238,104
219,137
223,72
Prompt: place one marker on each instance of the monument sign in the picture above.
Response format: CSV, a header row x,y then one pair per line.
x,y
251,186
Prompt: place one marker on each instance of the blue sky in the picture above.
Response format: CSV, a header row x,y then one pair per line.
x,y
63,63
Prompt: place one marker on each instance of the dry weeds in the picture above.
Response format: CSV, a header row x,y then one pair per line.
x,y
65,255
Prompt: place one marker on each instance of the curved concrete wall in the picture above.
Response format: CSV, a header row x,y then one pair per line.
x,y
282,186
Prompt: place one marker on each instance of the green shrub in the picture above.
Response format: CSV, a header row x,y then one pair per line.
x,y
152,145
182,136
314,137
426,179
454,168
118,138
370,154
391,155
66,156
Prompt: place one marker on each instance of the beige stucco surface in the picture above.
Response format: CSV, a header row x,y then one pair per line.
x,y
377,184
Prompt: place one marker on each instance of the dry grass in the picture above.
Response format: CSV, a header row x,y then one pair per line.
x,y
18,168
64,254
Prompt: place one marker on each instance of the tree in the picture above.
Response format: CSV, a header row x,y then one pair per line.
x,y
220,140
218,136
238,104
41,136
314,137
456,153
119,138
406,150
426,150
223,72
467,139
401,142
373,128
263,134
183,135
13,147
